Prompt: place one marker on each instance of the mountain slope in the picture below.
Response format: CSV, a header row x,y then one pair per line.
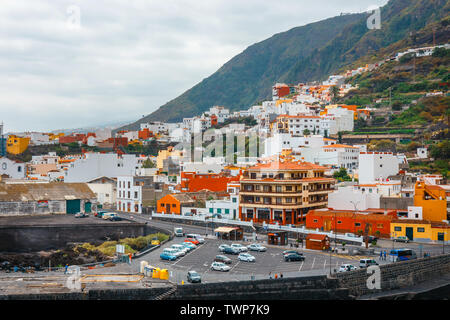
x,y
301,54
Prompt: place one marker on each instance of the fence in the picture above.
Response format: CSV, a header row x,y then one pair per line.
x,y
303,230
202,218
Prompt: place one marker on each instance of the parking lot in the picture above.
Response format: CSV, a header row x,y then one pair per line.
x,y
270,261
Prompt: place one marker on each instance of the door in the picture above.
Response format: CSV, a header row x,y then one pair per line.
x,y
87,207
168,208
409,233
73,206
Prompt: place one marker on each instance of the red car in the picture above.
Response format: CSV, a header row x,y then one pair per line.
x,y
192,241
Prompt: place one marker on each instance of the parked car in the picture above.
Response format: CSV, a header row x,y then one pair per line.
x,y
155,242
247,257
220,266
401,239
191,240
196,236
347,267
194,277
115,218
239,247
256,247
81,215
291,251
223,246
99,214
178,232
175,252
181,248
222,258
364,263
190,246
230,250
167,256
293,256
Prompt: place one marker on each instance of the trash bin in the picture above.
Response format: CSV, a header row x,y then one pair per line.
x,y
143,265
164,274
156,273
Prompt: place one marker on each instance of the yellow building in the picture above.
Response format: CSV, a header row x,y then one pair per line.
x,y
16,145
420,230
164,154
433,200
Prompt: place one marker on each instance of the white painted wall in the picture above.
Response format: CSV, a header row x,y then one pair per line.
x,y
373,166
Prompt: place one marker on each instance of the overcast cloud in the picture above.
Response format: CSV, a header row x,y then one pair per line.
x,y
127,57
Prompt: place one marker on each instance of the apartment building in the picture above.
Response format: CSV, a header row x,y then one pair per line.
x,y
283,191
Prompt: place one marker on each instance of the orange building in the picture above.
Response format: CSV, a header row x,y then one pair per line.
x,y
432,199
145,134
16,144
283,191
352,221
194,182
173,203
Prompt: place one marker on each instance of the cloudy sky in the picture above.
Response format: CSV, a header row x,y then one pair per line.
x,y
77,63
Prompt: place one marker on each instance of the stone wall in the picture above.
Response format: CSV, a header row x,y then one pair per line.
x,y
27,238
396,275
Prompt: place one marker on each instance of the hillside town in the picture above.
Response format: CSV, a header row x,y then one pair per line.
x,y
299,172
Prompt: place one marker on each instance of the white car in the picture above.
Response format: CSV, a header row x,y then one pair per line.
x,y
239,247
246,257
174,252
347,267
223,246
256,247
180,247
220,266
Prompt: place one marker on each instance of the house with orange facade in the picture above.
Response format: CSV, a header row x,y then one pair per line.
x,y
173,203
343,221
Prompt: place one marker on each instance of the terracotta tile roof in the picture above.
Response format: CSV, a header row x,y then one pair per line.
x,y
337,145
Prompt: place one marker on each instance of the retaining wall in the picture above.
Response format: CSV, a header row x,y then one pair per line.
x,y
396,275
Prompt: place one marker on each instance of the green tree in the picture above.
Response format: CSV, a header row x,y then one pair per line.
x,y
306,132
342,175
334,90
148,164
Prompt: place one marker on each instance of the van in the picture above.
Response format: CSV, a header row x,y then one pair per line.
x,y
108,215
178,232
195,236
364,263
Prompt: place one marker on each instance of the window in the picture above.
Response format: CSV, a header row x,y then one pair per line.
x,y
211,210
219,210
315,220
288,188
357,224
278,200
19,169
173,205
135,194
288,200
257,199
278,188
339,222
227,211
379,225
234,200
397,228
420,229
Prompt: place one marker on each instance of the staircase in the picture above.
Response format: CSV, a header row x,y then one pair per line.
x,y
166,294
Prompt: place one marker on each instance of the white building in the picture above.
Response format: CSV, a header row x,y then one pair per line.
x,y
227,208
105,190
350,198
129,195
13,169
374,166
422,153
95,165
50,158
221,113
